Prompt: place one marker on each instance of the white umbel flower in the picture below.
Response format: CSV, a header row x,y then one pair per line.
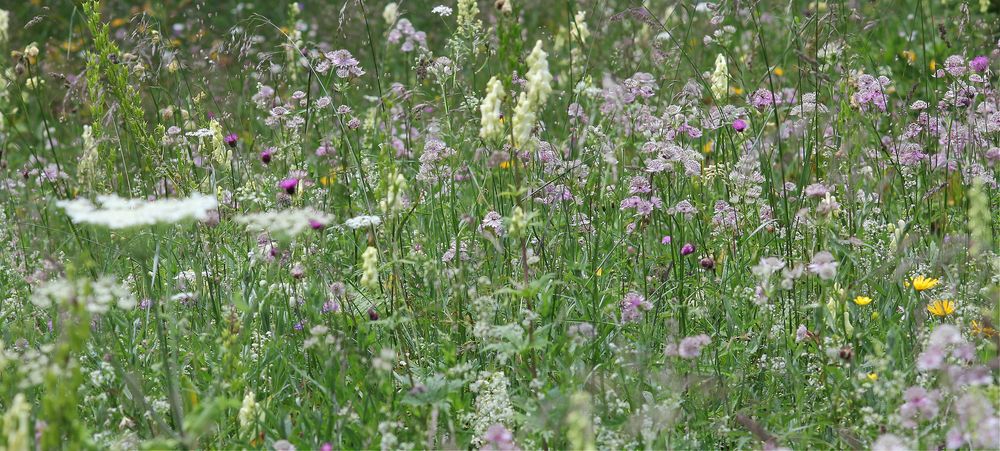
x,y
115,212
97,296
363,222
284,223
491,127
539,86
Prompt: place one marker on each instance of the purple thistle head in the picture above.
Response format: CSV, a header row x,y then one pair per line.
x,y
665,240
231,139
372,314
289,184
316,225
707,263
980,64
687,249
739,125
265,155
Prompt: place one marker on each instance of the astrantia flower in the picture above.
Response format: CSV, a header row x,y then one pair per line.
x,y
633,305
824,265
943,307
116,213
921,283
862,300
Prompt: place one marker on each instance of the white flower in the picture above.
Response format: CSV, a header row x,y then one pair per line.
x,y
539,86
390,13
369,268
284,223
442,10
4,24
491,127
720,78
117,213
363,222
97,296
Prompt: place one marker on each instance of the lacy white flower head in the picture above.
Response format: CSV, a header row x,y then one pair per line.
x,y
363,222
285,223
97,296
117,213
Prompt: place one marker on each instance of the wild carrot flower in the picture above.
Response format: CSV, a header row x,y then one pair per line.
x,y
943,307
116,213
921,283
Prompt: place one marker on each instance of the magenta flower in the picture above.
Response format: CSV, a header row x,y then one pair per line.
x,y
739,125
687,249
289,185
231,139
980,64
665,240
265,155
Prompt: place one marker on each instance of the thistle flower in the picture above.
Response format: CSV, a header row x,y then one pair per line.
x,y
539,86
266,155
739,125
491,124
231,139
289,185
980,64
116,213
942,307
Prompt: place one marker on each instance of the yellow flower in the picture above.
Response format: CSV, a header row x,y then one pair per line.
x,y
779,71
707,148
600,272
983,329
941,307
505,165
873,376
862,300
921,283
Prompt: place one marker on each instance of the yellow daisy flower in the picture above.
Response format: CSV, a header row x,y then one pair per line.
x,y
942,307
921,283
862,300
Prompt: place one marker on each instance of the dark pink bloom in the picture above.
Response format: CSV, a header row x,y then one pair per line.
x,y
289,185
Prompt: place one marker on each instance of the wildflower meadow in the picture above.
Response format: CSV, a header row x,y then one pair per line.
x,y
499,224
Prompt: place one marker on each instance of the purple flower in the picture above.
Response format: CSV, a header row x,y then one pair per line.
x,y
265,155
739,125
372,314
687,249
665,240
690,347
289,185
633,305
316,225
497,437
980,64
231,139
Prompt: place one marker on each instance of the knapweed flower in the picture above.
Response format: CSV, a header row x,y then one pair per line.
x,y
666,240
862,300
687,249
921,283
942,307
288,185
231,139
739,125
266,155
980,64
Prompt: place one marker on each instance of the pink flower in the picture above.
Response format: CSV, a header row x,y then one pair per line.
x,y
289,185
